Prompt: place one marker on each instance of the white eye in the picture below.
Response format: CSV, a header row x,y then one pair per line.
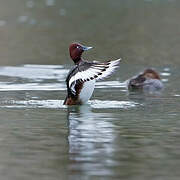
x,y
77,47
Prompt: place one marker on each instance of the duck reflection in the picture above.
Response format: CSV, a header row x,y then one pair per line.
x,y
87,128
91,137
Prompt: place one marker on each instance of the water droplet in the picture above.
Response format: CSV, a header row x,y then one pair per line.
x,y
50,2
62,12
30,4
166,69
98,104
165,80
177,95
32,22
2,22
22,19
171,0
165,74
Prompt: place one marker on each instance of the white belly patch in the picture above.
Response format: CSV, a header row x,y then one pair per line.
x,y
87,90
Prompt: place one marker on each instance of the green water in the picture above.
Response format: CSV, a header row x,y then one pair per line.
x,y
117,135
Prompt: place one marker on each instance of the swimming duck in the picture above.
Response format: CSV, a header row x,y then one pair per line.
x,y
149,80
81,78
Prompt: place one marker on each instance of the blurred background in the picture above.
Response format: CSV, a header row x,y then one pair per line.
x,y
118,135
145,32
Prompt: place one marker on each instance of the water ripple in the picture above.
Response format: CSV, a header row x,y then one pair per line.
x,y
34,72
55,104
5,86
98,104
41,77
110,84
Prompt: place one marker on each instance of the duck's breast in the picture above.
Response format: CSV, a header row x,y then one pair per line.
x,y
87,90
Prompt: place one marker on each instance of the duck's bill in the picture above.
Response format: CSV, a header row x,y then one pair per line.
x,y
85,48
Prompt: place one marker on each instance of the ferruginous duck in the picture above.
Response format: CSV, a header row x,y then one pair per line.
x,y
81,78
149,80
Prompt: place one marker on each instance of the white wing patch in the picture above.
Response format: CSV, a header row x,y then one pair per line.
x,y
112,67
96,71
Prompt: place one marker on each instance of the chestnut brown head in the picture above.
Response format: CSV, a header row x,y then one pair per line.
x,y
150,73
138,81
76,50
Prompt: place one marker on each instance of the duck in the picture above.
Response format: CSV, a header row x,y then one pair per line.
x,y
149,81
82,77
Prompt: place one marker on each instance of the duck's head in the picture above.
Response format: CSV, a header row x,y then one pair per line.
x,y
151,74
76,50
139,81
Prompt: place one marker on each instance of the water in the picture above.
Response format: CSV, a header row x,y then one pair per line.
x,y
117,135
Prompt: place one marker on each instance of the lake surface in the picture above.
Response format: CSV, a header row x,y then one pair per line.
x,y
117,135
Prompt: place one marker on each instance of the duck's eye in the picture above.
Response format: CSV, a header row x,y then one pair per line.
x,y
77,47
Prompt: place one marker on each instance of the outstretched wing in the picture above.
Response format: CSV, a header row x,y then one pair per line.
x,y
93,70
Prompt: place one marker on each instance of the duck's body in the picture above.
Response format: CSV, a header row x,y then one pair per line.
x,y
149,80
82,77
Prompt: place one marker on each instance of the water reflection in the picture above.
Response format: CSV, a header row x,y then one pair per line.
x,y
91,137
